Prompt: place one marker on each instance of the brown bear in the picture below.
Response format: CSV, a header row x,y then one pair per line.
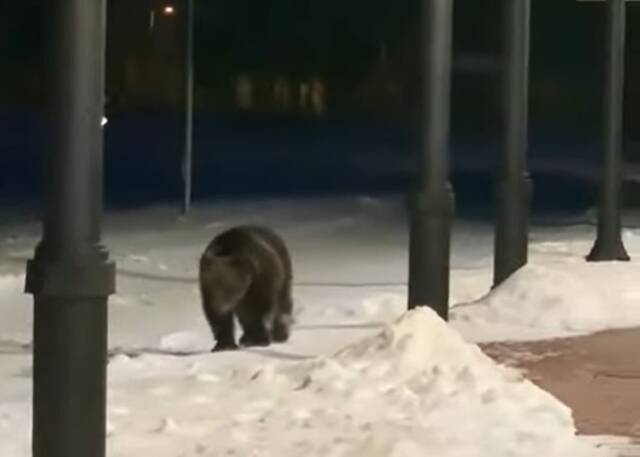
x,y
246,271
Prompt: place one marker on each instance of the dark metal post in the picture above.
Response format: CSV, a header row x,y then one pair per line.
x,y
70,275
513,190
608,244
433,205
188,130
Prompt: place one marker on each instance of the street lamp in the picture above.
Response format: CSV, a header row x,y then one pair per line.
x,y
187,154
167,10
188,128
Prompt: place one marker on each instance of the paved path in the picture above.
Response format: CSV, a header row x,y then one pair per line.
x,y
597,376
621,446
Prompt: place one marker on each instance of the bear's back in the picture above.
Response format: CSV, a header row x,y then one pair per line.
x,y
261,245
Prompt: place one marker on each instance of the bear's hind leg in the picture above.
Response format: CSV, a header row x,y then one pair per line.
x,y
281,329
254,333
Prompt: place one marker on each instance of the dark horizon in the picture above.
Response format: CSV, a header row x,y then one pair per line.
x,y
366,139
339,42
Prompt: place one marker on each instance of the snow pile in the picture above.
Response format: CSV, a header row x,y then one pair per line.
x,y
11,285
15,309
184,342
415,389
14,441
547,297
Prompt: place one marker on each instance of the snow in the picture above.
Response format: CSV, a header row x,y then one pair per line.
x,y
416,388
555,298
360,375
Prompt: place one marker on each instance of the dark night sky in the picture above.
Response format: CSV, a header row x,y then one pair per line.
x,y
341,41
338,39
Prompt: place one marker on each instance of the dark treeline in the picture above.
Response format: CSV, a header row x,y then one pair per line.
x,y
342,43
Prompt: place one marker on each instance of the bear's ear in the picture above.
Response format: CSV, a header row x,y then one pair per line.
x,y
208,257
211,260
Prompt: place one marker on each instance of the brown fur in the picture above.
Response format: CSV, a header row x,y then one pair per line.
x,y
246,272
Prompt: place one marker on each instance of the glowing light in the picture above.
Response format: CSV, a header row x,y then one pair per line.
x,y
169,10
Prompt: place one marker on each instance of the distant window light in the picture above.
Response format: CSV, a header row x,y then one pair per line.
x,y
169,10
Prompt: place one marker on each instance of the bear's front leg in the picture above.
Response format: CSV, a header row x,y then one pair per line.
x,y
223,332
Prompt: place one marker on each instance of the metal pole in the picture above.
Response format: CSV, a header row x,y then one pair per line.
x,y
432,206
70,275
188,130
152,20
513,190
608,244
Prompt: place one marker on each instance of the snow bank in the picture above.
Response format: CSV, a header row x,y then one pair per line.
x,y
15,310
14,441
11,285
415,389
553,297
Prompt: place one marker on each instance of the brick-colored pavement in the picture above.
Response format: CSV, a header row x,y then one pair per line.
x,y
597,376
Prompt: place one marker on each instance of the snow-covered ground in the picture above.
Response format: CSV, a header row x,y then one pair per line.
x,y
360,376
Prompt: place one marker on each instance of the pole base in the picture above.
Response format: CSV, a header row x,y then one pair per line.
x,y
69,377
429,249
70,292
610,251
511,243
